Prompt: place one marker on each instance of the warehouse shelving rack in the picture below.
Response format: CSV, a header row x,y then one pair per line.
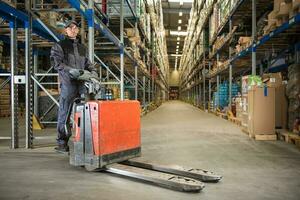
x,y
193,83
36,32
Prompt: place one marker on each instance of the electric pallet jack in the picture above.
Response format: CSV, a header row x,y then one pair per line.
x,y
107,137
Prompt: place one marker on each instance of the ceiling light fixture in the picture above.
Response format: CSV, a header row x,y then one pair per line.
x,y
179,28
180,14
178,38
179,21
179,33
174,55
183,1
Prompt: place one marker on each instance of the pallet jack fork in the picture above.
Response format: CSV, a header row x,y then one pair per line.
x,y
107,138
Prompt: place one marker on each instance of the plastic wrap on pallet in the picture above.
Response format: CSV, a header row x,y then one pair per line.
x,y
222,96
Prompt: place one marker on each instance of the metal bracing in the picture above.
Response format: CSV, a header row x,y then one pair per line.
x,y
35,87
218,91
136,82
106,67
253,37
7,80
230,68
144,91
44,89
14,87
125,76
122,49
149,90
91,30
28,83
204,89
209,84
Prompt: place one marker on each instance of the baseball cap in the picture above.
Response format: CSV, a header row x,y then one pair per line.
x,y
67,24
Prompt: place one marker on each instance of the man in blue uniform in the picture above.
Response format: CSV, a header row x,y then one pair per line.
x,y
67,55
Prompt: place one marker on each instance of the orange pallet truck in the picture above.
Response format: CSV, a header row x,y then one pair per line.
x,y
107,137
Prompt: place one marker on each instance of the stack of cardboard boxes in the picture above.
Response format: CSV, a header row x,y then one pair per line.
x,y
283,10
263,105
243,43
135,41
261,111
281,103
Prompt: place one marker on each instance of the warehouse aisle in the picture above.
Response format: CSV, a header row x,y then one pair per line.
x,y
175,133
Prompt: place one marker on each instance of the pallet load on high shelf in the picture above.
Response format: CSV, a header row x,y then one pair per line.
x,y
5,100
283,10
220,13
243,43
5,63
107,136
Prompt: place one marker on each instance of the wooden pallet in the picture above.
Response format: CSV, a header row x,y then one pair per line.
x,y
260,137
220,114
235,120
294,139
289,137
283,135
265,137
245,130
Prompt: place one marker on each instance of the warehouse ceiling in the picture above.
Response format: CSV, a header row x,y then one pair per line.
x,y
176,14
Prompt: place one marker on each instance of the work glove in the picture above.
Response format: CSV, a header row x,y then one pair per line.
x,y
75,73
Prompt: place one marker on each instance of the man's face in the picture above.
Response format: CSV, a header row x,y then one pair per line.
x,y
72,31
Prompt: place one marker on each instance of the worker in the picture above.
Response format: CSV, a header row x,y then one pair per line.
x,y
68,55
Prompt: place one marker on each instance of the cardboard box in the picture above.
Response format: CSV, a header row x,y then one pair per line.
x,y
244,41
275,80
277,4
272,18
261,107
130,32
272,79
284,9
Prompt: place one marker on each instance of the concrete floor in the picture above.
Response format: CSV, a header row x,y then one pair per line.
x,y
175,133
